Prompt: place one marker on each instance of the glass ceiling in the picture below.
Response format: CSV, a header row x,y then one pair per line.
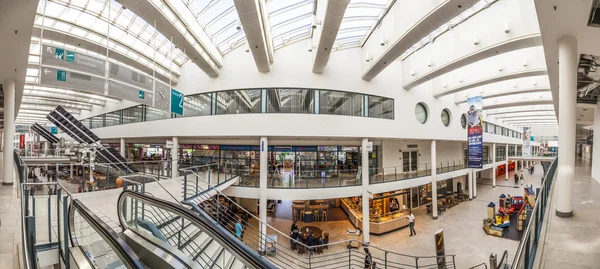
x,y
290,20
359,20
481,5
129,34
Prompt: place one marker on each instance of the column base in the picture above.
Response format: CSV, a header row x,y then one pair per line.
x,y
474,197
470,199
7,183
564,214
435,217
493,186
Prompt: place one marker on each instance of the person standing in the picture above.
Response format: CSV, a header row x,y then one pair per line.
x,y
239,229
516,179
368,259
522,180
411,223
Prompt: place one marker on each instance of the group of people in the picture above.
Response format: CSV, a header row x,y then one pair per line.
x,y
517,178
311,241
530,169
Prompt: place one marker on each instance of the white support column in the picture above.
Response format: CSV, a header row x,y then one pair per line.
x,y
474,183
365,190
596,146
46,147
470,177
567,104
71,170
494,166
175,158
506,162
123,152
9,131
434,201
262,191
522,164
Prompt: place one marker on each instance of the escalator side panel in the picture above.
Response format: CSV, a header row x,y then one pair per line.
x,y
155,252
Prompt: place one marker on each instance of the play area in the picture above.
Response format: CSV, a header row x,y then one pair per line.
x,y
512,215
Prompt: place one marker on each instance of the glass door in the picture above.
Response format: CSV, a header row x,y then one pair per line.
x,y
413,161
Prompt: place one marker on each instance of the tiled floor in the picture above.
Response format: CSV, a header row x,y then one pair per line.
x,y
10,226
575,242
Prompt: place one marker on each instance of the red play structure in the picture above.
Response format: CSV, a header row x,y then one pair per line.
x,y
502,168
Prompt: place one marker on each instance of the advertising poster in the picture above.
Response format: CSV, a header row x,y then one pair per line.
x,y
475,132
527,141
440,249
22,141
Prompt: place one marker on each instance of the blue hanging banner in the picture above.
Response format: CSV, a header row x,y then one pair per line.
x,y
475,132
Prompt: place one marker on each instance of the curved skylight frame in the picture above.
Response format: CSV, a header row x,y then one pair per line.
x,y
128,32
290,21
360,19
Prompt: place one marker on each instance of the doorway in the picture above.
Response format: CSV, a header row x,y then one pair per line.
x,y
410,161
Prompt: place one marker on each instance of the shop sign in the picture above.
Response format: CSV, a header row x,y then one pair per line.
x,y
170,144
440,249
22,141
369,146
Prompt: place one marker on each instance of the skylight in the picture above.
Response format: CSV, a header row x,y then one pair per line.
x,y
359,20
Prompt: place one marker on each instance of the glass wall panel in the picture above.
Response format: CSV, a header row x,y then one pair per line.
x,y
156,114
132,114
238,102
290,101
86,122
97,121
112,118
197,105
381,107
341,103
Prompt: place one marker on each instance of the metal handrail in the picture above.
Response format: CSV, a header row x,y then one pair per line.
x,y
544,191
125,253
236,248
286,237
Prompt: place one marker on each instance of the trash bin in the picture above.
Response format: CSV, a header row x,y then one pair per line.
x,y
493,260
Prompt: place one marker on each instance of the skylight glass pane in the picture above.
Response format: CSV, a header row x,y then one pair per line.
x,y
361,17
290,20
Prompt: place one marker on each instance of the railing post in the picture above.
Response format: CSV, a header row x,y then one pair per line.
x,y
66,230
218,204
185,186
49,218
385,260
197,176
349,257
417,262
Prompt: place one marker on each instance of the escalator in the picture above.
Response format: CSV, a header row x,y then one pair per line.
x,y
94,244
188,239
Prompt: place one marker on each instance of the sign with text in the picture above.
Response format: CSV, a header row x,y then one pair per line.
x,y
57,57
177,99
130,76
22,141
69,79
440,249
475,132
53,130
128,92
527,141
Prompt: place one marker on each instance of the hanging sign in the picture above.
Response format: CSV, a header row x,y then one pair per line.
x,y
475,132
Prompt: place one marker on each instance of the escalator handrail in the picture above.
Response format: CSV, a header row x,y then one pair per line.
x,y
125,253
224,238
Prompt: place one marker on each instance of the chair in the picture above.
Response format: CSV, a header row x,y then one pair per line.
x,y
326,240
319,215
325,215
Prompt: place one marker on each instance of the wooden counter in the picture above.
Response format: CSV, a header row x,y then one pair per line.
x,y
375,227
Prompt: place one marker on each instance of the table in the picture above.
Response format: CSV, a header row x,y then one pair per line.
x,y
308,216
298,202
315,230
320,201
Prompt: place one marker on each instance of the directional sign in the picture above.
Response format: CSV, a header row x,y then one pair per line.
x,y
176,102
53,130
128,92
70,56
59,54
53,77
130,76
162,98
57,57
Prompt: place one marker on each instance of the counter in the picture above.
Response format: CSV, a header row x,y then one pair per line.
x,y
377,225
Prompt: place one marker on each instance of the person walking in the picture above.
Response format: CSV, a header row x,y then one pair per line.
x,y
239,229
368,259
516,179
522,180
411,223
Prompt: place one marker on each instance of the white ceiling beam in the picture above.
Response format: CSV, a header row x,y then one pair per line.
x,y
250,16
201,53
334,13
517,103
490,80
491,51
505,93
423,27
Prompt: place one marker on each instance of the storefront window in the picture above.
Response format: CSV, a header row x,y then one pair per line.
x,y
290,101
238,102
341,103
197,105
381,107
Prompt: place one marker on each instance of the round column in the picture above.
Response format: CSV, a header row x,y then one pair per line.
x,y
175,158
494,166
434,202
9,131
365,190
123,153
506,162
567,102
596,145
262,191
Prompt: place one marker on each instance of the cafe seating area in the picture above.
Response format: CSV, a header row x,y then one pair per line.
x,y
447,201
320,241
309,210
